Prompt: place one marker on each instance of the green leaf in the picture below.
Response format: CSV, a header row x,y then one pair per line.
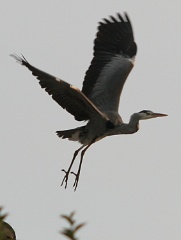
x,y
70,231
79,226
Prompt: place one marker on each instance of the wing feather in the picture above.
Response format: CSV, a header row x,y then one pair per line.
x,y
66,95
114,46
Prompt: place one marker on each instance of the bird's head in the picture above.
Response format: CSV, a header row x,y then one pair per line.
x,y
147,114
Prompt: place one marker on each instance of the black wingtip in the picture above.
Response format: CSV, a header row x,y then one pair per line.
x,y
127,17
115,35
112,19
120,17
21,60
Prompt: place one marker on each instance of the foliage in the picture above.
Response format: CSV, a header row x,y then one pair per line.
x,y
71,231
7,232
2,218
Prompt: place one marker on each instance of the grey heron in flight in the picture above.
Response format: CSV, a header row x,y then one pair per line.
x,y
98,102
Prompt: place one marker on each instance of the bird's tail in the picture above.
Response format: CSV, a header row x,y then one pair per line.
x,y
72,134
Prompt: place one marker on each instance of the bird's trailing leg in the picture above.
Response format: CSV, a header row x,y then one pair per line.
x,y
65,179
77,175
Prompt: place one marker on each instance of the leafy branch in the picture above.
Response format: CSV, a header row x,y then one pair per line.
x,y
71,231
7,232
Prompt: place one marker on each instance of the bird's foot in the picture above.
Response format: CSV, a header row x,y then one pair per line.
x,y
76,179
65,179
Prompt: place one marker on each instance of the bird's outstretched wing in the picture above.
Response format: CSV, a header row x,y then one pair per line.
x,y
114,51
66,95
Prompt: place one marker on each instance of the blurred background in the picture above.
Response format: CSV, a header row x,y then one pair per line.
x,y
130,186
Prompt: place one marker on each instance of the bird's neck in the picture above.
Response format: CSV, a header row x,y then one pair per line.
x,y
127,128
133,125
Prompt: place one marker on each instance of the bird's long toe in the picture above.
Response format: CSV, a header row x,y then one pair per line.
x,y
65,179
76,179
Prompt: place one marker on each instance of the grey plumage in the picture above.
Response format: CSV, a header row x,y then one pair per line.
x,y
98,102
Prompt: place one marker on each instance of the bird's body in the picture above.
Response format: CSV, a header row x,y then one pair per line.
x,y
98,102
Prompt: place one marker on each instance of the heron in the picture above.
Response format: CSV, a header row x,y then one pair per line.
x,y
98,102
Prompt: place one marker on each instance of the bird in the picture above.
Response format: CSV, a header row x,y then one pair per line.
x,y
6,231
98,101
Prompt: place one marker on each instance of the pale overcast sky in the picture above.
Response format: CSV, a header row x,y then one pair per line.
x,y
130,186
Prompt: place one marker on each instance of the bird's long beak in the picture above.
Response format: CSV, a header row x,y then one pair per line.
x,y
154,115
